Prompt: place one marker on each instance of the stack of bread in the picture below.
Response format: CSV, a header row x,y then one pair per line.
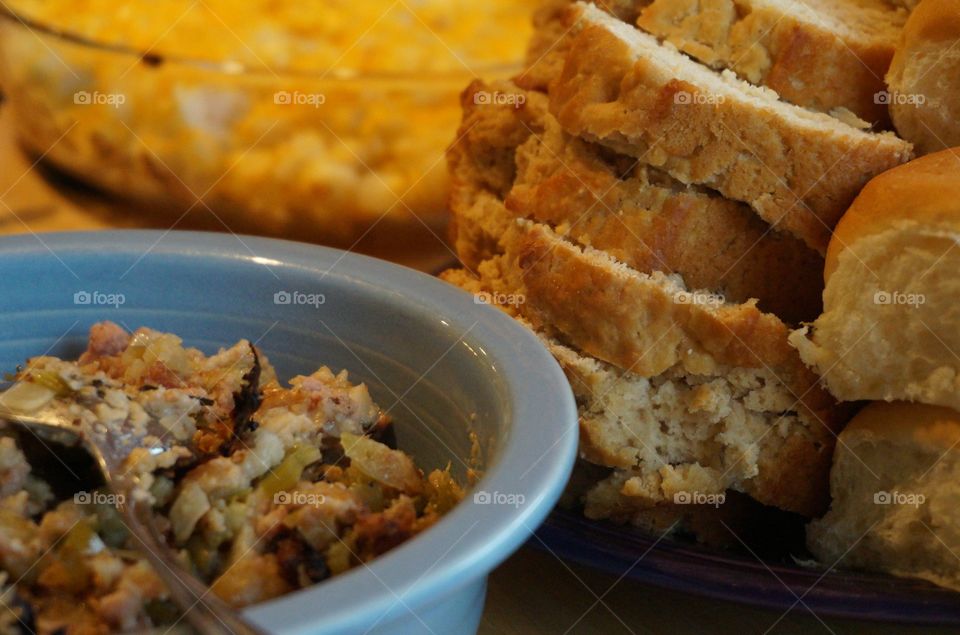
x,y
889,332
654,195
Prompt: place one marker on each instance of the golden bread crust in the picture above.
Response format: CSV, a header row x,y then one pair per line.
x,y
925,103
798,177
894,494
934,21
909,425
804,58
553,26
925,191
645,328
675,387
797,473
641,216
717,526
776,450
482,167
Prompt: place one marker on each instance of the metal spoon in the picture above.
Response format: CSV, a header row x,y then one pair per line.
x,y
203,610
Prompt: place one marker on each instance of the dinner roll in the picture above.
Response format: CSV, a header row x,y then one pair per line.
x,y
890,328
924,77
896,506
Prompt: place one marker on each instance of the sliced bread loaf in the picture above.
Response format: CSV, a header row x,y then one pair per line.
x,y
681,434
696,420
799,170
646,323
548,45
821,54
517,162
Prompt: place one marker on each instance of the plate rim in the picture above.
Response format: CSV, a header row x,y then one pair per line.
x,y
602,545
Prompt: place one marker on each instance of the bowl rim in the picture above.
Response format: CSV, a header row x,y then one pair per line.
x,y
235,68
473,538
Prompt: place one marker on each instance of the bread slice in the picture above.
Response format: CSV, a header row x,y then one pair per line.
x,y
646,323
692,422
549,43
799,170
894,495
681,433
821,54
511,162
482,164
732,518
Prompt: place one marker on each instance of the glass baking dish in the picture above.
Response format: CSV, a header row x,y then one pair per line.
x,y
322,156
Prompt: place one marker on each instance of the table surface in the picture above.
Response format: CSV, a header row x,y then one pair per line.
x,y
534,592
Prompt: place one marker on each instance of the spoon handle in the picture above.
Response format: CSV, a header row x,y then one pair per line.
x,y
201,608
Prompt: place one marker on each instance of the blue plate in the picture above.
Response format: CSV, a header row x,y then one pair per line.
x,y
681,566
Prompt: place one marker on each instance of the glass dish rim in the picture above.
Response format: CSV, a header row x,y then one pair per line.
x,y
232,68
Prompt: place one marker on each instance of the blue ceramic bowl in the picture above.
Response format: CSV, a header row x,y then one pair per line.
x,y
441,364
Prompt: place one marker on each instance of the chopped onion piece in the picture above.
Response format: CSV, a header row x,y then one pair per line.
x,y
25,396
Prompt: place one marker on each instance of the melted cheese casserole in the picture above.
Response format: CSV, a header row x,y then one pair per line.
x,y
307,119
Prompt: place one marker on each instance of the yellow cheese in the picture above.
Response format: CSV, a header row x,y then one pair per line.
x,y
305,35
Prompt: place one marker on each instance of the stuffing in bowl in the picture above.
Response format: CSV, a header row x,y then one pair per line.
x,y
266,489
